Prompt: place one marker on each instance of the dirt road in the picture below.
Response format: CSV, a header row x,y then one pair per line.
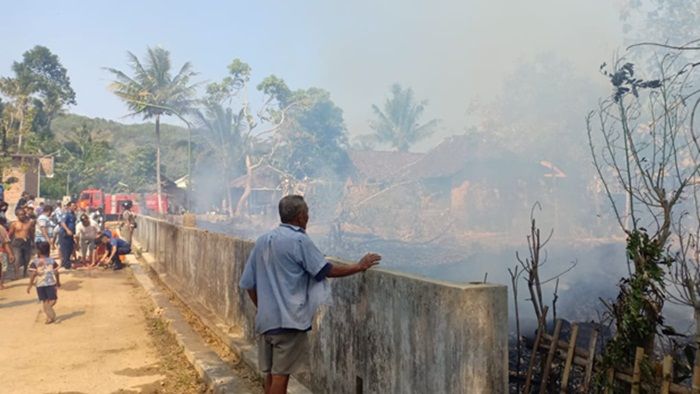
x,y
103,340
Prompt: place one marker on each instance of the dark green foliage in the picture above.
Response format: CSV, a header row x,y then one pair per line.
x,y
95,153
36,93
124,139
275,88
316,139
42,73
637,310
153,90
136,170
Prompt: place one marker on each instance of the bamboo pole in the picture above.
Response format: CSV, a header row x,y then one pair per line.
x,y
696,379
569,360
535,348
637,371
610,383
593,342
667,375
550,357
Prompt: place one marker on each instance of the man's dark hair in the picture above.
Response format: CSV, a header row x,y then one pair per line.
x,y
290,207
42,248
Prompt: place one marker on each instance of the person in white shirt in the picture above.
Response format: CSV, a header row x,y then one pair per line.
x,y
45,227
87,232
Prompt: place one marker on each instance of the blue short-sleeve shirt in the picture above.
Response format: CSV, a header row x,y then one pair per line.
x,y
118,243
281,267
69,219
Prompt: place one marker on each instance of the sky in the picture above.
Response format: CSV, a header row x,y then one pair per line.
x,y
451,53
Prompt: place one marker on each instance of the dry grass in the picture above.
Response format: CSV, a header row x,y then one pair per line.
x,y
249,377
180,375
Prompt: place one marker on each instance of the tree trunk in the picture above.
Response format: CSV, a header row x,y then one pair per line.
x,y
229,196
19,134
4,140
188,200
8,129
21,115
158,182
248,186
696,367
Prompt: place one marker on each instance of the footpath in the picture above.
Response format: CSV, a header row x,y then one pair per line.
x,y
99,343
102,342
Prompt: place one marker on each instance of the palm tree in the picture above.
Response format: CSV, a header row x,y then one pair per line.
x,y
153,92
221,129
397,122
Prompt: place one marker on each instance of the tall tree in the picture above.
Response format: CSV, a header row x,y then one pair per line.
x,y
315,138
43,72
138,172
230,126
637,138
152,91
397,122
222,131
39,90
87,157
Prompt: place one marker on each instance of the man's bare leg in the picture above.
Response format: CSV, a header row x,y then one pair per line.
x,y
52,312
278,384
45,307
267,383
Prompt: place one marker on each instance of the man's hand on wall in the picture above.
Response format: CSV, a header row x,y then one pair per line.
x,y
369,260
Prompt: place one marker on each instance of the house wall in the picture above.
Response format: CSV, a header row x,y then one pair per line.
x,y
25,172
385,332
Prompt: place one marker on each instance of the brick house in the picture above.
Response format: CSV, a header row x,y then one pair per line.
x,y
21,175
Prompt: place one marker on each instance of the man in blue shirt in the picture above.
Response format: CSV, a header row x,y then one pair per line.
x,y
67,231
280,275
115,247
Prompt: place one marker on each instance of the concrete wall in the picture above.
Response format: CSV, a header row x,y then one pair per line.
x,y
386,331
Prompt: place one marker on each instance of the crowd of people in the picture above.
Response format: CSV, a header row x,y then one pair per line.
x,y
78,237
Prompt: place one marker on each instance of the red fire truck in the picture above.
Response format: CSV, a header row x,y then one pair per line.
x,y
112,203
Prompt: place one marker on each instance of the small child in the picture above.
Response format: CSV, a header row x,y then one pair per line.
x,y
44,270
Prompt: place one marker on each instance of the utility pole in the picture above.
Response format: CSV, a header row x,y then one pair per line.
x,y
189,168
38,178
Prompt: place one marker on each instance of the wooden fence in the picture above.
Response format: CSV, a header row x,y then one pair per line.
x,y
553,350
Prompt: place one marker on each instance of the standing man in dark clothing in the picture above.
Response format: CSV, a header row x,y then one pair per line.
x,y
67,231
281,276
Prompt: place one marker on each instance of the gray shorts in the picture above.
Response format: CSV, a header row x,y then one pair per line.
x,y
86,246
283,354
